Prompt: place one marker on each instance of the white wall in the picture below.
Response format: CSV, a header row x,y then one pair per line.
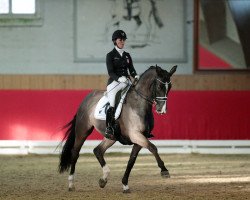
x,y
49,48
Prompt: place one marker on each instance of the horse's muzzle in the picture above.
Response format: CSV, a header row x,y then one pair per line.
x,y
163,109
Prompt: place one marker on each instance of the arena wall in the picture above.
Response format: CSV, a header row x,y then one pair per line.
x,y
35,117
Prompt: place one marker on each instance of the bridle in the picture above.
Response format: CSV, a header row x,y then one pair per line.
x,y
155,98
165,98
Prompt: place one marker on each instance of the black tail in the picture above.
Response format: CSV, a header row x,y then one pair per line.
x,y
65,158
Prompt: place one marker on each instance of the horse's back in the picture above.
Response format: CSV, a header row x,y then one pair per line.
x,y
89,103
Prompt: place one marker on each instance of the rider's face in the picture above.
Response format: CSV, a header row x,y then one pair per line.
x,y
120,43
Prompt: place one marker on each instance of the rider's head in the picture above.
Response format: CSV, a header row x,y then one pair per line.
x,y
118,35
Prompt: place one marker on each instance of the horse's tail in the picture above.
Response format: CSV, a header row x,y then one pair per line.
x,y
65,158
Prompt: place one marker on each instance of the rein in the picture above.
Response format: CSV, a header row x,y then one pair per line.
x,y
151,101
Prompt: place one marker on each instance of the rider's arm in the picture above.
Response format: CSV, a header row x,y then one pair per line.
x,y
131,68
110,67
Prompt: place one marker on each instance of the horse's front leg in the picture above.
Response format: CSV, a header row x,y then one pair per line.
x,y
99,153
134,153
153,149
142,141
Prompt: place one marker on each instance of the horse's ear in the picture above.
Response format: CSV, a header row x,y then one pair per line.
x,y
158,69
173,70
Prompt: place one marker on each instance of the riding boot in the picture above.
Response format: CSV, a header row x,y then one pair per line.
x,y
110,121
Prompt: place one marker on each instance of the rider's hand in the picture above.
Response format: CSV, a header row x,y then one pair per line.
x,y
122,79
137,77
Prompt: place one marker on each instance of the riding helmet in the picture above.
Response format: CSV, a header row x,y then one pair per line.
x,y
119,34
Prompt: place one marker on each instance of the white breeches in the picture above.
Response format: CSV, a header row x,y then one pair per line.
x,y
112,89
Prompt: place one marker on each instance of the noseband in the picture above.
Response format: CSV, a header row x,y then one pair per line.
x,y
155,98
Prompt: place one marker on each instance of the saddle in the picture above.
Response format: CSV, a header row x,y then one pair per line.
x,y
101,111
103,104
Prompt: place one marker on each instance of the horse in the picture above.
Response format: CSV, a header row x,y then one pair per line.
x,y
142,12
135,123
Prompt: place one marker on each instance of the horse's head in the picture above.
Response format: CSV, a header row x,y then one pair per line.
x,y
154,86
161,87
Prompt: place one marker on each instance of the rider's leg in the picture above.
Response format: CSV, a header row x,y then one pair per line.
x,y
112,90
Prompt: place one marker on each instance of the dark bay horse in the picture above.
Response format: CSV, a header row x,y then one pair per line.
x,y
135,122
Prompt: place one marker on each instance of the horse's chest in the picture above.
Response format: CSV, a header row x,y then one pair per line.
x,y
131,120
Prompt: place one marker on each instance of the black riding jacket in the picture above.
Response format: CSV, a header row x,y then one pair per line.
x,y
118,65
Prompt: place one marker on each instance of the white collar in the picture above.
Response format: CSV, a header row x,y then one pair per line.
x,y
120,51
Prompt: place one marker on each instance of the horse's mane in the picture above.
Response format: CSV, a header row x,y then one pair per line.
x,y
150,68
147,77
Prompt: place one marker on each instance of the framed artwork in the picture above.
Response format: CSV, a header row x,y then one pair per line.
x,y
156,29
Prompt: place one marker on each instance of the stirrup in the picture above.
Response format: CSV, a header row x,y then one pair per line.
x,y
109,133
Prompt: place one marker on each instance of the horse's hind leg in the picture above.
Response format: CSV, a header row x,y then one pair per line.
x,y
81,136
134,153
99,153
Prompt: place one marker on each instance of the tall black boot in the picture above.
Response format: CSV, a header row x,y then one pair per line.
x,y
110,121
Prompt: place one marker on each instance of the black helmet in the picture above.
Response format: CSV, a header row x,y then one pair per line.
x,y
119,34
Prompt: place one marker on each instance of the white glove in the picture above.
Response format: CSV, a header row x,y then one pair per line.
x,y
137,77
122,79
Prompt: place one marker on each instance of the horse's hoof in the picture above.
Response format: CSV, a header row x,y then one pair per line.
x,y
165,174
102,182
71,189
126,191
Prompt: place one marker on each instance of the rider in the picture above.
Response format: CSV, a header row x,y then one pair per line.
x,y
118,62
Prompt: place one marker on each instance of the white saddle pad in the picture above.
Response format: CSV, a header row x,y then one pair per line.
x,y
103,105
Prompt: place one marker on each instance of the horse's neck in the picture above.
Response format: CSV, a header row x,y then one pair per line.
x,y
145,82
138,103
143,93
